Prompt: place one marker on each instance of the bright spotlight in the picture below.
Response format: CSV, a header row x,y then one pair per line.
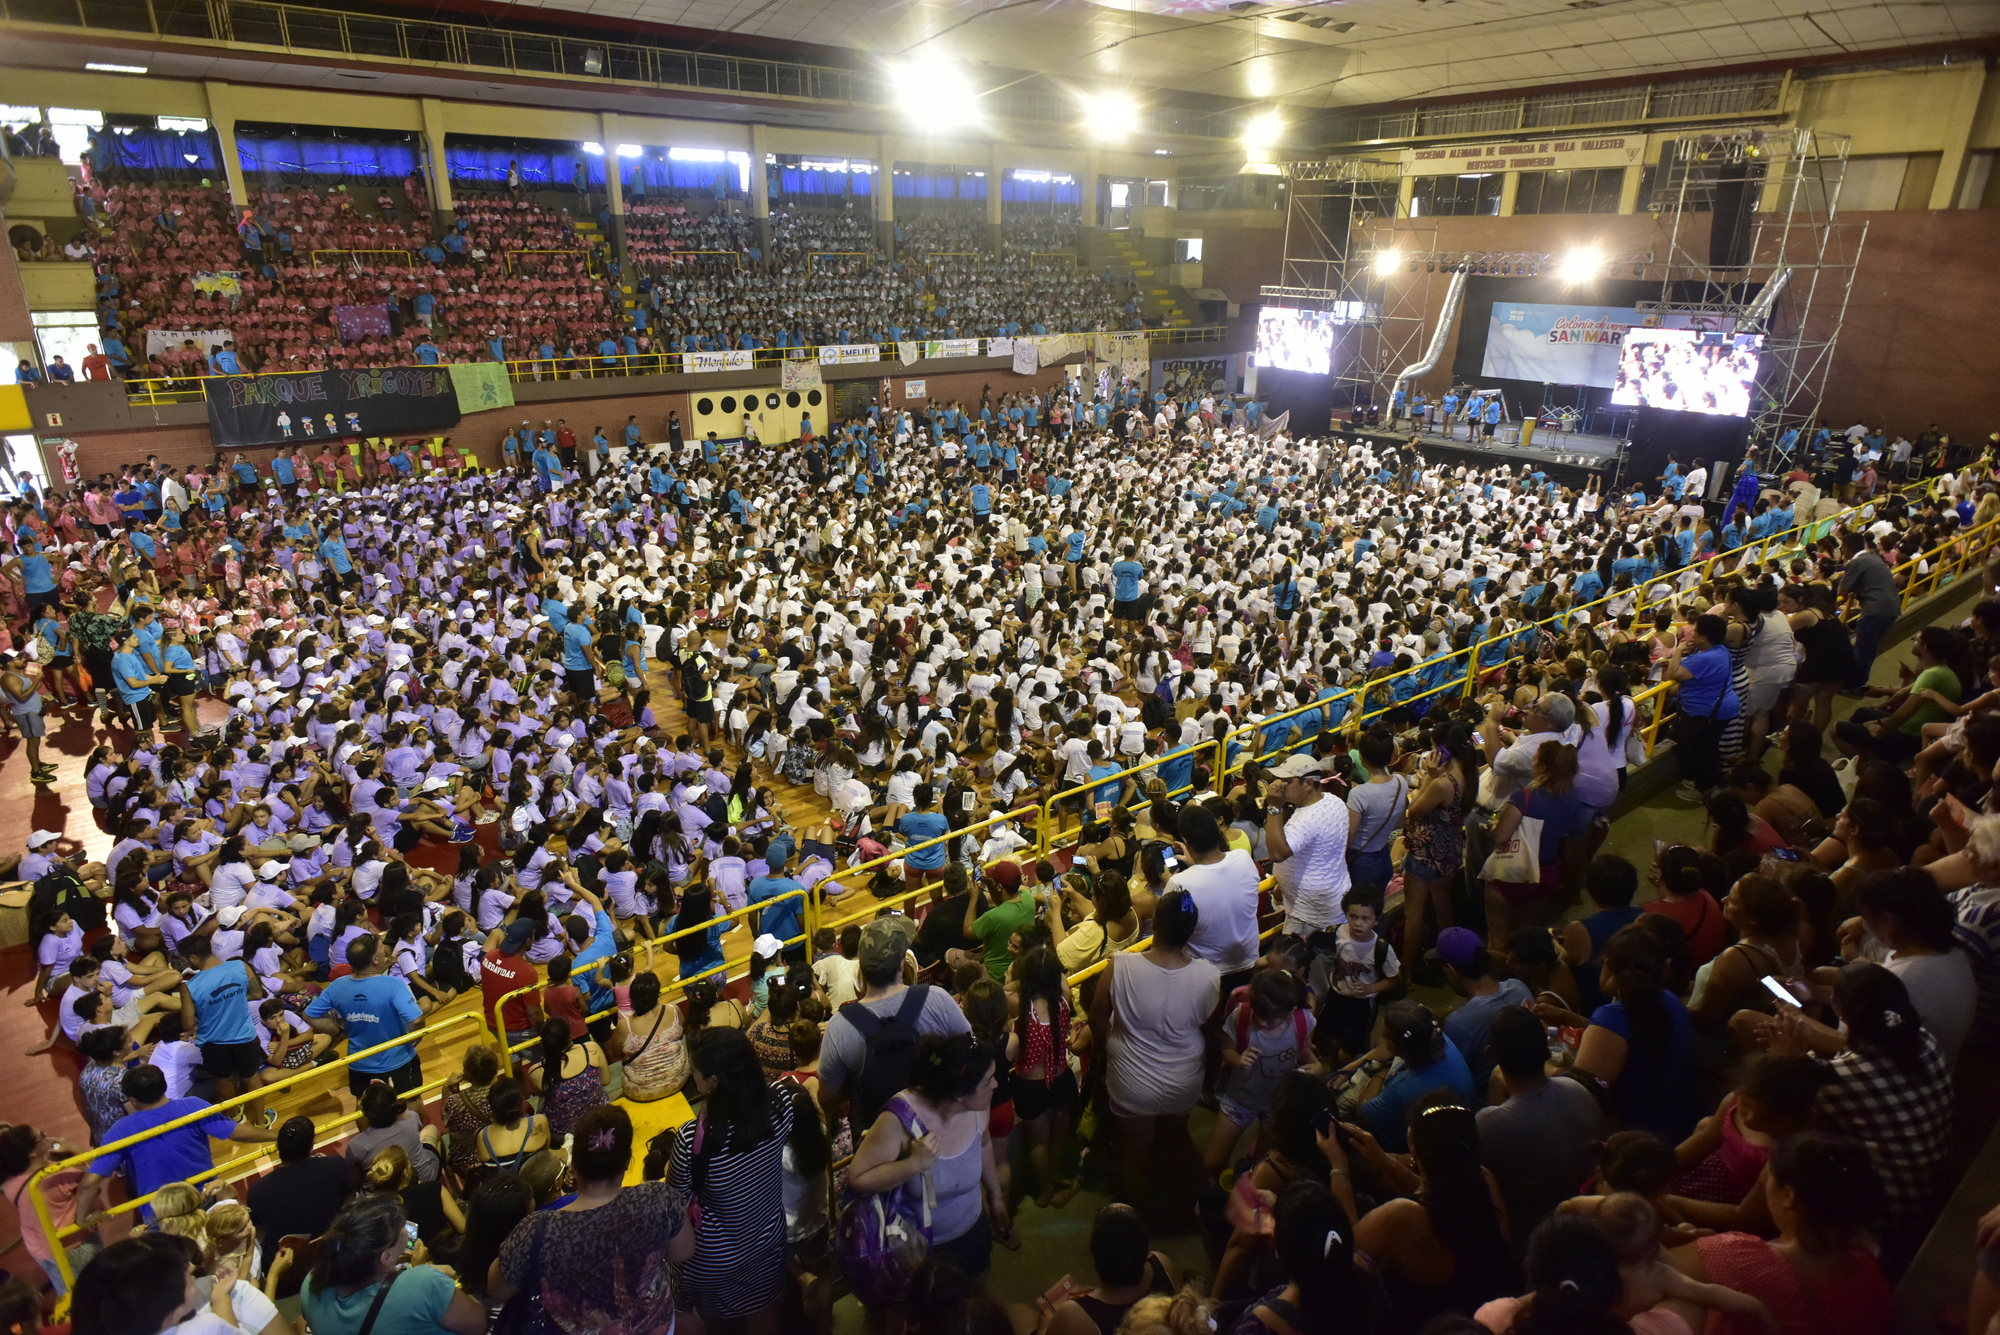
x,y
1110,115
1580,265
939,96
1264,130
1387,262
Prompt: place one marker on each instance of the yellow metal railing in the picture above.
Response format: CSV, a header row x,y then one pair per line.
x,y
235,1164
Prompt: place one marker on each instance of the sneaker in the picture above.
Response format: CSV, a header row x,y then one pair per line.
x,y
270,1117
1687,792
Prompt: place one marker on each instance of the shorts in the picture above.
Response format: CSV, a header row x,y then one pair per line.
x,y
31,724
1033,1098
176,687
1127,610
580,681
1000,1119
972,1249
1237,1114
1762,695
701,711
916,876
46,598
145,712
226,1061
1414,870
404,1079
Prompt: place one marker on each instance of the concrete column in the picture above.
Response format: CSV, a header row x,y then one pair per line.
x,y
760,186
1628,189
993,201
437,174
1404,190
222,117
614,182
1510,190
883,194
1958,136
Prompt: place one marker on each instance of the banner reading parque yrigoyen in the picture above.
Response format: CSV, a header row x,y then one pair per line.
x,y
312,405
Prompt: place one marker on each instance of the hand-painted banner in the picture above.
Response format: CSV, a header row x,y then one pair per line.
x,y
908,351
841,354
999,347
163,340
1027,357
800,376
269,409
737,359
481,385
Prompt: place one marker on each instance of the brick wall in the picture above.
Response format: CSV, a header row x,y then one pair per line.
x,y
177,447
965,385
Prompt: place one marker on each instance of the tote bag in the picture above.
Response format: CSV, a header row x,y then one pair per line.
x,y
1518,860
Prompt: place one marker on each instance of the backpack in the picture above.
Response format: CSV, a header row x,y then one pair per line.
x,y
889,1054
880,1238
1243,1023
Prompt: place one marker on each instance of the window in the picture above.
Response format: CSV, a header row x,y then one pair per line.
x,y
1590,191
71,128
1455,196
1187,250
65,334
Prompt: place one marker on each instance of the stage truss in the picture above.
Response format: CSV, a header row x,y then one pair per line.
x,y
1800,259
1344,242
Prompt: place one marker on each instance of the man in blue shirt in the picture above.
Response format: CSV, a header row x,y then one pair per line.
x,y
333,550
982,504
215,1010
599,937
786,918
632,433
428,354
171,1156
372,1007
1125,577
223,360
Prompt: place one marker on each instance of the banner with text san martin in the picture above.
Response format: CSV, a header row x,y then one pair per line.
x,y
307,405
1570,345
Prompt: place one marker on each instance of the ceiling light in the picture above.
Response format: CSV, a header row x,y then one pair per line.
x,y
629,150
1263,130
1580,265
1109,115
936,95
593,60
1163,152
595,150
1348,26
102,68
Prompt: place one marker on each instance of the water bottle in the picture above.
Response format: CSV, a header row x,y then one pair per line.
x,y
1558,1050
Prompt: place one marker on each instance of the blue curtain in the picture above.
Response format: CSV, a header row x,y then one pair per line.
x,y
538,168
799,181
1015,191
159,150
327,157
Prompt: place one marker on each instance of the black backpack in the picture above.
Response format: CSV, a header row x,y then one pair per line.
x,y
890,1054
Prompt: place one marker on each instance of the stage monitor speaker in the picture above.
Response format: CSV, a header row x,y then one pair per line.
x,y
1729,225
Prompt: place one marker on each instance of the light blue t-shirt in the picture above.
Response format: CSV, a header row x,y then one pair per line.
x,y
222,1004
917,826
576,638
374,1010
415,1306
1125,576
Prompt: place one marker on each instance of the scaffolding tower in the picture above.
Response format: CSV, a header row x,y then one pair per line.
x,y
1753,241
1340,219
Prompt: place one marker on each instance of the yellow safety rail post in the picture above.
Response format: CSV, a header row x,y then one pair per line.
x,y
154,392
409,260
40,1200
1045,823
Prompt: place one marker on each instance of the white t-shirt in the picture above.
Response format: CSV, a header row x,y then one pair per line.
x,y
1225,901
1314,879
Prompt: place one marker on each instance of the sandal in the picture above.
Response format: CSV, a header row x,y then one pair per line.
x,y
1065,1194
1007,1239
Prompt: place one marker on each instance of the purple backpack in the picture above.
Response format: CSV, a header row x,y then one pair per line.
x,y
882,1237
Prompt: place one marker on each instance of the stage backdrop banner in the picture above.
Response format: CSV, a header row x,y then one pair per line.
x,y
481,385
270,409
1569,345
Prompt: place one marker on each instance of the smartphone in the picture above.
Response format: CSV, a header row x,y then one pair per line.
x,y
1787,855
410,1231
1659,847
1783,993
1169,860
965,803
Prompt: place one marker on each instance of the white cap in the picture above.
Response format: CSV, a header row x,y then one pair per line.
x,y
434,784
230,916
767,946
1881,528
40,837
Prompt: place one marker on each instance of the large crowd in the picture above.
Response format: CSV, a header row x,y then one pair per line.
x,y
306,278
544,725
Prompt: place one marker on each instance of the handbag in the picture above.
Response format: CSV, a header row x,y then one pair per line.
x,y
522,1314
881,1237
1517,861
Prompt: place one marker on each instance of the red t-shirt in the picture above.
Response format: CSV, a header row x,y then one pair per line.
x,y
500,974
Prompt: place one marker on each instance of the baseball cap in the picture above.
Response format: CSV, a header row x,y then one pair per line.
x,y
1457,946
767,946
515,939
436,783
41,837
1007,873
271,871
230,916
885,941
1296,766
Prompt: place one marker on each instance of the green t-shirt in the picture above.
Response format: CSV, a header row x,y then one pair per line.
x,y
1940,679
998,923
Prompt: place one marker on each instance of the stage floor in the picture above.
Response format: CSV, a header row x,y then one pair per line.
x,y
1574,463
1561,446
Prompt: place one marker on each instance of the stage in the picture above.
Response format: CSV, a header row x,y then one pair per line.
x,y
1569,457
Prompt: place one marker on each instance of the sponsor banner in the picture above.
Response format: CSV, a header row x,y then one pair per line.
x,y
1570,345
737,359
271,409
1027,357
954,347
800,376
907,352
843,354
481,385
1567,153
915,389
208,340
